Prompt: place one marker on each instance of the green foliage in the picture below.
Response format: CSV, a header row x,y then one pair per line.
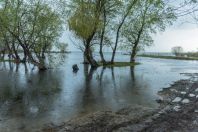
x,y
62,47
149,16
34,25
85,19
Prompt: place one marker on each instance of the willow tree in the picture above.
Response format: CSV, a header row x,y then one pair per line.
x,y
8,23
149,17
33,25
85,22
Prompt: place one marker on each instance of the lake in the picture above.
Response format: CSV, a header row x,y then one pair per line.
x,y
30,99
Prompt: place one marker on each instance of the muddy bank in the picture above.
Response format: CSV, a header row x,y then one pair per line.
x,y
182,100
178,111
104,120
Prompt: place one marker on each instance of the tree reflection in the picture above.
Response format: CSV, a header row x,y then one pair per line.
x,y
88,74
29,98
113,77
132,70
101,76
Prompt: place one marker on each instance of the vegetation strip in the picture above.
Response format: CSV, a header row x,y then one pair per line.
x,y
169,57
118,64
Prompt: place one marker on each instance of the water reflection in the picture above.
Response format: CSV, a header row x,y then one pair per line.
x,y
87,92
28,89
32,98
132,70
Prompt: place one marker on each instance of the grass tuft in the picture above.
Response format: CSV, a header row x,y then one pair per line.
x,y
118,64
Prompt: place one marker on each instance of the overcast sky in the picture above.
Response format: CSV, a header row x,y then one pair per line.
x,y
185,35
182,33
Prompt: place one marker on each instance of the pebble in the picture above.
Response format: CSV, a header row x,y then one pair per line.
x,y
167,108
156,116
196,90
22,127
159,101
195,122
177,99
149,121
191,95
197,96
196,111
174,90
161,112
177,108
34,109
183,93
185,101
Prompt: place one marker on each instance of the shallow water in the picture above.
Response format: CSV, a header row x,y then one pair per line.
x,y
29,99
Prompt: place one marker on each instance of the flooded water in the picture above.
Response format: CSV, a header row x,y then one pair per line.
x,y
29,99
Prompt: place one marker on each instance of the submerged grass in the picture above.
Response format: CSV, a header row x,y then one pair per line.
x,y
3,60
118,64
169,57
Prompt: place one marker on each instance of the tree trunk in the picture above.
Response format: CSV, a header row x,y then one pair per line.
x,y
8,48
132,58
101,47
92,60
41,66
17,58
89,56
3,54
133,54
134,50
116,44
102,57
44,51
25,56
102,37
85,57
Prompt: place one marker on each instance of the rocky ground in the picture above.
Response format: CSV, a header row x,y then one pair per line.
x,y
178,111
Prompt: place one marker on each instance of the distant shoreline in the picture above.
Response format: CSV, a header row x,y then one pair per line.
x,y
169,57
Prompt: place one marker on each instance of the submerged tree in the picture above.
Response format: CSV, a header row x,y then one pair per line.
x,y
109,11
90,21
126,10
30,26
85,22
148,17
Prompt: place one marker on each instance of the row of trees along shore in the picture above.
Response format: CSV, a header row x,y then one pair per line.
x,y
128,24
34,27
31,27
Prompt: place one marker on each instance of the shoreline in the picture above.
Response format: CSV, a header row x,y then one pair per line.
x,y
178,111
170,57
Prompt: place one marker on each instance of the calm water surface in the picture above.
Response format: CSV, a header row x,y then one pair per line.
x,y
29,99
